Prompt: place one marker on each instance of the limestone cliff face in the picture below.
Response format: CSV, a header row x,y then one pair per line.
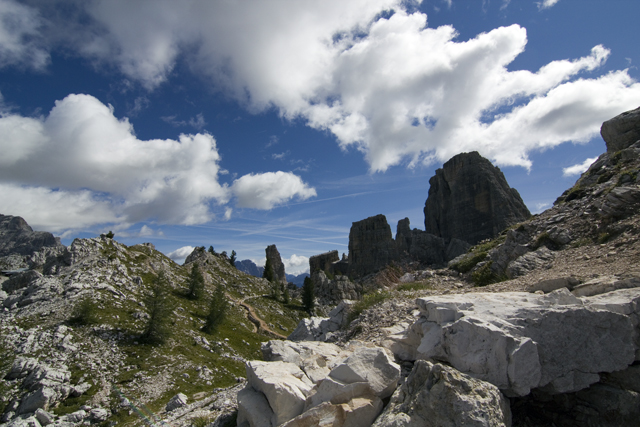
x,y
469,199
371,246
323,262
17,237
276,263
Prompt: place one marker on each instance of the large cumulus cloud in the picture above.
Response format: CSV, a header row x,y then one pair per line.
x,y
81,165
391,87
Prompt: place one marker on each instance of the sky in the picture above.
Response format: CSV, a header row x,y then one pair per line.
x,y
241,124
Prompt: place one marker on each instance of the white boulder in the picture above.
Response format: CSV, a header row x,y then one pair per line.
x,y
440,396
285,386
519,341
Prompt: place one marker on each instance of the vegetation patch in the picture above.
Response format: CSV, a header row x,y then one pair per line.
x,y
367,301
543,239
468,262
484,276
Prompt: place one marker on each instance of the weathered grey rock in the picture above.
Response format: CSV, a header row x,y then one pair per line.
x,y
276,263
253,409
24,421
620,202
17,237
177,401
329,292
439,396
20,281
469,199
621,131
285,386
337,392
75,417
538,259
374,366
98,415
371,246
44,418
323,262
520,341
601,285
427,248
316,359
321,328
550,285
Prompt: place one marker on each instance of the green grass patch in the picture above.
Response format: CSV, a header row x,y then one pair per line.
x,y
414,286
468,262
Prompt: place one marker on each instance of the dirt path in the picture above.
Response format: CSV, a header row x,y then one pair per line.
x,y
260,326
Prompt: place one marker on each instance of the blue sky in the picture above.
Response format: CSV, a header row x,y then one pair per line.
x,y
242,124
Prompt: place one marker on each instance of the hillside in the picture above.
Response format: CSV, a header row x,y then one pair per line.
x,y
41,325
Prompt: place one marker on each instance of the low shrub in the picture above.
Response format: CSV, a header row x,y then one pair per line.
x,y
367,301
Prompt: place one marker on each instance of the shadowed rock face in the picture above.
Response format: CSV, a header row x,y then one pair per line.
x,y
469,199
371,246
621,131
276,263
17,237
323,262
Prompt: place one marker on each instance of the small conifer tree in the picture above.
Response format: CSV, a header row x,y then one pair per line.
x,y
211,250
157,329
286,298
232,260
308,297
195,283
217,311
268,271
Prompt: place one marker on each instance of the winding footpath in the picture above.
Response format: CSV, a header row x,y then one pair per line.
x,y
260,326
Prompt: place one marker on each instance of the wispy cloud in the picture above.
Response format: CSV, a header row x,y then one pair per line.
x,y
546,4
579,168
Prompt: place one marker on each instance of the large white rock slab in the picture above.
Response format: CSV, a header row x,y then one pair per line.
x,y
284,385
372,365
440,396
253,409
315,358
519,341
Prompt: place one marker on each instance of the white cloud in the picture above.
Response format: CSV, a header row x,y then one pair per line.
x,y
394,89
268,190
20,39
101,171
180,254
296,264
579,168
546,4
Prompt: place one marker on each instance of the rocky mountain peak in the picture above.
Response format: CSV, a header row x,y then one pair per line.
x,y
470,199
621,131
276,263
18,238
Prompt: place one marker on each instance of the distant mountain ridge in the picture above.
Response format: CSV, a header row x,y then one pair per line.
x,y
250,267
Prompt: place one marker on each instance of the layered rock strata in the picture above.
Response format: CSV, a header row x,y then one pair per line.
x,y
555,342
470,199
310,384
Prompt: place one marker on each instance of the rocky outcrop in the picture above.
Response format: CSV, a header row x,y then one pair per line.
x,y
469,199
17,237
276,263
435,395
621,131
331,292
323,262
371,246
315,384
555,342
322,328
